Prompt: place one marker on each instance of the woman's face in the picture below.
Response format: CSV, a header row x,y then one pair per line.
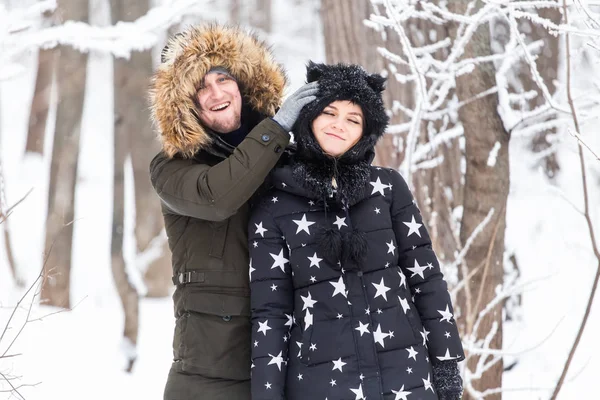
x,y
338,127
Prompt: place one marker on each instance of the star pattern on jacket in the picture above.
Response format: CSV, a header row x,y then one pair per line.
x,y
310,319
303,224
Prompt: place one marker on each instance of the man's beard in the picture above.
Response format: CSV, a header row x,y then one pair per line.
x,y
227,126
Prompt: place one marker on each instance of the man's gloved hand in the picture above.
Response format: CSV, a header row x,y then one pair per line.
x,y
447,381
291,107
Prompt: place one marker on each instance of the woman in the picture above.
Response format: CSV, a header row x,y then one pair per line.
x,y
348,301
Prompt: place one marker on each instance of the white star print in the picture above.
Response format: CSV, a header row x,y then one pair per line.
x,y
279,261
308,301
362,328
255,244
299,377
446,356
251,270
274,200
256,343
339,364
340,222
409,370
260,230
377,210
427,383
404,304
391,247
278,360
425,335
413,227
447,334
268,385
290,320
417,270
313,279
401,394
379,336
402,279
340,316
378,187
283,184
308,319
311,203
361,377
381,289
446,315
315,261
303,224
264,327
359,393
412,353
339,287
313,347
273,287
332,383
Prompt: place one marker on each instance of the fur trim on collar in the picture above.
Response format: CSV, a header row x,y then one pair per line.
x,y
188,56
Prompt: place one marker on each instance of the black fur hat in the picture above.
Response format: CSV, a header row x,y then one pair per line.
x,y
314,169
340,82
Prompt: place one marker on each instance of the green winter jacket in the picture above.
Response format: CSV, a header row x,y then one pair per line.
x,y
205,185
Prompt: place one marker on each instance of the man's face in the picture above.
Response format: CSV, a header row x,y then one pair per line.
x,y
220,103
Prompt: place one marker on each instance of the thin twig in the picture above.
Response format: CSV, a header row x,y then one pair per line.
x,y
581,142
586,213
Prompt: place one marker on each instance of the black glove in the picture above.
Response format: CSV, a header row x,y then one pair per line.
x,y
447,381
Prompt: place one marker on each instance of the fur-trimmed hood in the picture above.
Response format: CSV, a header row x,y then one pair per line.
x,y
187,58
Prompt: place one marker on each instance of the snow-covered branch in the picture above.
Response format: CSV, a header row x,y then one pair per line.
x,y
19,33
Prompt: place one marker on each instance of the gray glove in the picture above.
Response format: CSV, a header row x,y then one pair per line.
x,y
291,107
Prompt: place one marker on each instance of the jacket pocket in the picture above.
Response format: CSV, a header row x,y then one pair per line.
x,y
412,317
215,338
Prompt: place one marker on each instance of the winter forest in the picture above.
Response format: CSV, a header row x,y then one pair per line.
x,y
492,103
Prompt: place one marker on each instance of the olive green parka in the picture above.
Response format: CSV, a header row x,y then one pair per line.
x,y
205,185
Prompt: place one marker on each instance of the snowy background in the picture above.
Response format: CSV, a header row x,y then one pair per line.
x,y
78,354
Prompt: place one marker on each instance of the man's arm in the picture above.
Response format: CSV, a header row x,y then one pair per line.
x,y
216,192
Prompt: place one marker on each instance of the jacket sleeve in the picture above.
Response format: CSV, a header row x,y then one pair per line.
x,y
216,192
271,299
424,277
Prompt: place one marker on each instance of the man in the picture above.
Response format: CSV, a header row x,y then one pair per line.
x,y
211,98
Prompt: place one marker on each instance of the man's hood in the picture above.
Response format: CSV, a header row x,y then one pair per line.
x,y
188,56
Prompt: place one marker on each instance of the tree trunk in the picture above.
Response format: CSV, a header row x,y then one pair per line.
x,y
486,187
127,293
41,99
132,120
235,11
260,16
71,76
547,64
4,211
131,127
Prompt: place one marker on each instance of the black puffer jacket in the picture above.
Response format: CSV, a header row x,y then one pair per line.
x,y
347,297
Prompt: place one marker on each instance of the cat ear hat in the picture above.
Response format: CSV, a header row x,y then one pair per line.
x,y
344,82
